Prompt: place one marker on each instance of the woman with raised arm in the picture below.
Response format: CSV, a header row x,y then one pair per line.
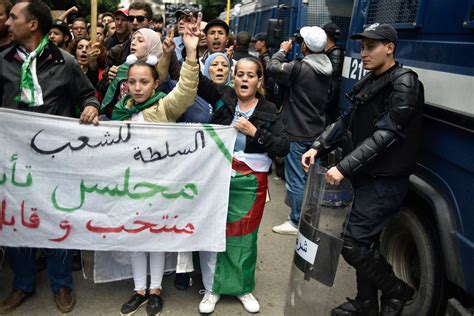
x,y
144,104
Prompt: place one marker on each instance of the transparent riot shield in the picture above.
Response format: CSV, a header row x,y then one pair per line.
x,y
318,245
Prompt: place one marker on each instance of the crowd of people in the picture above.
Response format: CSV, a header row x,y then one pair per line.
x,y
283,110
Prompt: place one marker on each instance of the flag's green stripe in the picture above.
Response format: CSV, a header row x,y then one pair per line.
x,y
220,144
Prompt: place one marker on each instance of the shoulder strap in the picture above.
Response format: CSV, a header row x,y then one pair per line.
x,y
381,83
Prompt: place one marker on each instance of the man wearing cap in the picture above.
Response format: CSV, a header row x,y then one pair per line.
x,y
217,35
307,83
59,34
121,29
385,126
336,55
182,16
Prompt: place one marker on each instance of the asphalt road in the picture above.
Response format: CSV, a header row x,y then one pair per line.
x,y
275,253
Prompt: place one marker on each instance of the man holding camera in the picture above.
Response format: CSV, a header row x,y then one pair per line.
x,y
307,83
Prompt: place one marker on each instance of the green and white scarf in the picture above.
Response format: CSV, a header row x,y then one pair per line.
x,y
30,90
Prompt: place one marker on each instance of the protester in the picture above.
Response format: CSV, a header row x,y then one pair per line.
x,y
118,31
241,45
109,31
79,27
65,14
100,33
5,42
144,104
385,126
148,43
261,135
59,34
139,16
217,32
336,56
61,87
182,17
202,40
106,18
81,50
303,110
217,69
157,24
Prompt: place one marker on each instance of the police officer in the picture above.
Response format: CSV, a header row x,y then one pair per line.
x,y
336,56
385,127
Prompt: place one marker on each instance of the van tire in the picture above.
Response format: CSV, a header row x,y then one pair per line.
x,y
410,244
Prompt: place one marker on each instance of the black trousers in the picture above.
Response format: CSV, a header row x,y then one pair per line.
x,y
376,201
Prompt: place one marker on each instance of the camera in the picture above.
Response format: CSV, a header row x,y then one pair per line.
x,y
297,37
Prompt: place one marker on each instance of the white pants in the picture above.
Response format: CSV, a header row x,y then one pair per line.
x,y
139,269
208,267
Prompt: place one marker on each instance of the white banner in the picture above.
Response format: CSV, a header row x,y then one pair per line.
x,y
117,186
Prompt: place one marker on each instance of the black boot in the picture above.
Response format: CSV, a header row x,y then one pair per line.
x,y
356,307
392,307
368,261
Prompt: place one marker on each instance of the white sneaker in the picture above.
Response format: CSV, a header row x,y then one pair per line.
x,y
250,303
285,229
208,302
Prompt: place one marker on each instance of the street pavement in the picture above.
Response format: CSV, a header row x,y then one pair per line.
x,y
275,253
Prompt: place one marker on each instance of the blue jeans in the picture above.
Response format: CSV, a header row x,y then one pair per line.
x,y
295,178
23,265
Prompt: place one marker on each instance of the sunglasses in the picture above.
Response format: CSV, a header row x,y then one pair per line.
x,y
140,18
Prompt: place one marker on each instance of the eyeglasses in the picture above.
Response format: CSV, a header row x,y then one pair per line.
x,y
140,18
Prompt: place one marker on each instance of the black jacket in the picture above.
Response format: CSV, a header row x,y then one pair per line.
x,y
62,81
307,82
336,56
271,136
385,125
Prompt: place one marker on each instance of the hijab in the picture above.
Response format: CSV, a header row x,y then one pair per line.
x,y
209,61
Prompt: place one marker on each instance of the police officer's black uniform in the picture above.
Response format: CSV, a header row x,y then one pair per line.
x,y
385,127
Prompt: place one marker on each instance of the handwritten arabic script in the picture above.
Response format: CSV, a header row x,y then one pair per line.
x,y
121,186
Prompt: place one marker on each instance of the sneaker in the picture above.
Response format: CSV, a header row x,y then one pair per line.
x,y
285,229
155,304
356,307
133,304
250,303
208,302
182,281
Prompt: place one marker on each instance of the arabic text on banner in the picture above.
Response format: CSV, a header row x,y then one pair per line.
x,y
117,186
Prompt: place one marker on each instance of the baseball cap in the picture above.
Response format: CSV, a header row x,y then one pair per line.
x,y
332,29
179,13
216,22
62,26
259,37
121,11
378,31
314,37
